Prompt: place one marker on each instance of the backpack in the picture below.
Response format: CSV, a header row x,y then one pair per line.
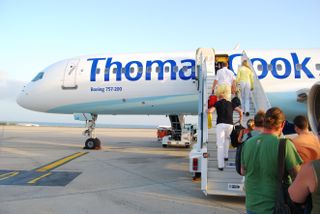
x,y
235,135
238,154
236,102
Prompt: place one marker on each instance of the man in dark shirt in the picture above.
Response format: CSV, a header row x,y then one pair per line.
x,y
224,110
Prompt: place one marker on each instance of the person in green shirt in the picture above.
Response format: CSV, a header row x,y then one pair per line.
x,y
259,164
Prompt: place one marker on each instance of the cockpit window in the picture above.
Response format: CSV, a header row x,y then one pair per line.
x,y
38,77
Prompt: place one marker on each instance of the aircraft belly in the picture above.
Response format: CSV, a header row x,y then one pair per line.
x,y
287,101
173,104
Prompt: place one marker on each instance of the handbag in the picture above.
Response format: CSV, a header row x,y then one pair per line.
x,y
212,100
236,102
283,204
281,207
234,135
238,154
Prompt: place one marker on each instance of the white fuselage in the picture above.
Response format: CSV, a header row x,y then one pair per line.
x,y
160,83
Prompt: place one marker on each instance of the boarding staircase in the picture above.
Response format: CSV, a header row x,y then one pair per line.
x,y
214,181
177,122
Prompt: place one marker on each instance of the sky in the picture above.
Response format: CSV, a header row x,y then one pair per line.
x,y
35,34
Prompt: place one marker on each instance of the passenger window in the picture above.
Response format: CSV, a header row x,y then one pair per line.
x,y
176,68
259,67
157,69
185,69
123,70
115,70
131,69
106,70
38,77
269,67
149,69
98,71
279,67
298,67
318,67
140,69
166,69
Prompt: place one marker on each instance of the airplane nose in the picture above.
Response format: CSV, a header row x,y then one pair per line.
x,y
22,99
35,95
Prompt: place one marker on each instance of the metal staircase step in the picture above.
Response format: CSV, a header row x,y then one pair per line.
x,y
228,181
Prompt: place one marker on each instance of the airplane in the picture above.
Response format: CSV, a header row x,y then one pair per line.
x,y
166,84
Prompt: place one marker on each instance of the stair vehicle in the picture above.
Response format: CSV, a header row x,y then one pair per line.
x,y
203,157
181,134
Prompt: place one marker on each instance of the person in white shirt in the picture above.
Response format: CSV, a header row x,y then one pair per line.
x,y
225,81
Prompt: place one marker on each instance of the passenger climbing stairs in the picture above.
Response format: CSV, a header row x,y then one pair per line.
x,y
214,181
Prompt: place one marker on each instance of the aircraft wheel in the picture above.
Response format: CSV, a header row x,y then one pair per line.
x,y
90,143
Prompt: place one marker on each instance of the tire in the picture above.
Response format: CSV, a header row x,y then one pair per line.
x,y
187,146
164,145
90,143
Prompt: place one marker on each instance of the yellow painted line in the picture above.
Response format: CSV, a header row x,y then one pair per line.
x,y
5,174
8,175
60,162
38,178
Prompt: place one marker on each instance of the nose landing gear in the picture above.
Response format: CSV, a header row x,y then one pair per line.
x,y
92,142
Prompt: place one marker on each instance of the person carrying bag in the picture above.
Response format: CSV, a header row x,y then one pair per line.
x,y
283,204
259,164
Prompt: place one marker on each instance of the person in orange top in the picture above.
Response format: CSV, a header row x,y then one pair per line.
x,y
306,143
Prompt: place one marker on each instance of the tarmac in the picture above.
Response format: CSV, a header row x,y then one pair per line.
x,y
45,170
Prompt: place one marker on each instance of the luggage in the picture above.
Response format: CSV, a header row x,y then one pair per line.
x,y
236,135
236,102
238,154
209,120
212,100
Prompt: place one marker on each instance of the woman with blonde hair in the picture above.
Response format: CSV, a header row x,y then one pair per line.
x,y
245,80
224,126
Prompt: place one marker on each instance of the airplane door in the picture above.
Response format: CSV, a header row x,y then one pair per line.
x,y
70,75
